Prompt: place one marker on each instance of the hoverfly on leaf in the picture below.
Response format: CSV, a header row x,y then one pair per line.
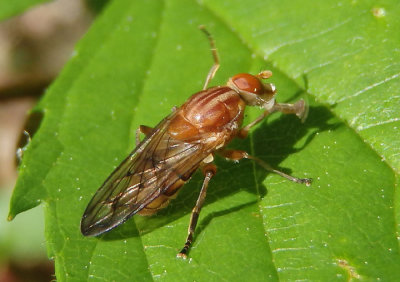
x,y
181,143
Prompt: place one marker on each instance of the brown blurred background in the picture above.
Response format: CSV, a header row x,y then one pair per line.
x,y
34,46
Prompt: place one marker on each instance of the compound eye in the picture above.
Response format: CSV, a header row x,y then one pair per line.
x,y
248,82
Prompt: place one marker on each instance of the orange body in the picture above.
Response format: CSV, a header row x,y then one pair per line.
x,y
181,143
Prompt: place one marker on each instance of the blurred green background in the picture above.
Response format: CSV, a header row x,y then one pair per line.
x,y
36,39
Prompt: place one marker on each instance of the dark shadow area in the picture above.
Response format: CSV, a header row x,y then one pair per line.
x,y
32,124
272,142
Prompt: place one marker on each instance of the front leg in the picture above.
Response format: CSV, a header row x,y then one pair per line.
x,y
299,108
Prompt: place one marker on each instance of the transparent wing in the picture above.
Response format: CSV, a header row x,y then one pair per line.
x,y
156,164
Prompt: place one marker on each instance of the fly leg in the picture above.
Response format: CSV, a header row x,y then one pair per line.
x,y
209,171
146,130
214,52
236,155
299,108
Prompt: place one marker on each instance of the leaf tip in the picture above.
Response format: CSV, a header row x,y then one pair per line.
x,y
10,217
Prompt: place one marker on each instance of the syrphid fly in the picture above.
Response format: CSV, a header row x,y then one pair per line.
x,y
181,143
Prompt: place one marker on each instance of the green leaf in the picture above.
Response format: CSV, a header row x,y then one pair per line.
x,y
9,8
143,57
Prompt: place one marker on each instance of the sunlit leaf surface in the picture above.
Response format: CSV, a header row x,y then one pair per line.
x,y
143,57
